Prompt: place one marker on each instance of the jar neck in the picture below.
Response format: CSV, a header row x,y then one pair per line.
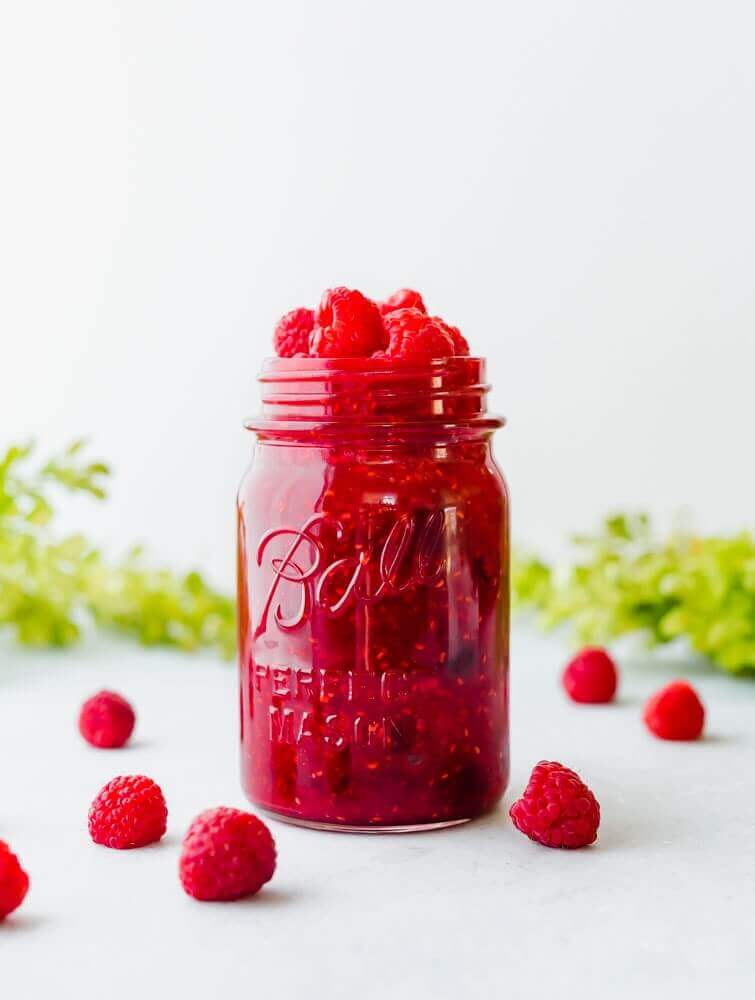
x,y
367,399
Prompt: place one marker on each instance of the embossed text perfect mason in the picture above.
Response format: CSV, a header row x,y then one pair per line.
x,y
373,596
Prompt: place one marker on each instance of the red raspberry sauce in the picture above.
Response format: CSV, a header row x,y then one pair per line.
x,y
373,596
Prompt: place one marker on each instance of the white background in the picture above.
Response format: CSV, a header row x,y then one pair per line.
x,y
571,183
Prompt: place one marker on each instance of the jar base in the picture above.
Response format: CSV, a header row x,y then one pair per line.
x,y
346,828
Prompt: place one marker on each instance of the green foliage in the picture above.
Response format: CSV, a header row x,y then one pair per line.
x,y
626,580
50,587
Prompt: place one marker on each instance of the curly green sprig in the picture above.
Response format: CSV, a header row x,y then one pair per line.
x,y
51,587
624,579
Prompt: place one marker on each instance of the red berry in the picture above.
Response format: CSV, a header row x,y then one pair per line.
x,y
106,720
347,324
226,854
129,811
291,336
404,298
461,347
413,336
675,712
557,808
591,676
14,882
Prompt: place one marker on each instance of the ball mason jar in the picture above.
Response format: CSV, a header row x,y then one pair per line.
x,y
373,565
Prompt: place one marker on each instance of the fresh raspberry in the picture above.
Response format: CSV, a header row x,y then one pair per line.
x,y
14,882
226,854
557,808
129,811
346,325
461,346
413,336
291,336
404,298
106,720
591,677
675,712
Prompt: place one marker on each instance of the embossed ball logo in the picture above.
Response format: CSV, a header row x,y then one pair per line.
x,y
407,556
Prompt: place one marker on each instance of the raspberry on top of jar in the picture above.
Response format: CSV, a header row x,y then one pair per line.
x,y
346,324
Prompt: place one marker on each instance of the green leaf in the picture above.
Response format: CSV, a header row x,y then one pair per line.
x,y
626,580
52,588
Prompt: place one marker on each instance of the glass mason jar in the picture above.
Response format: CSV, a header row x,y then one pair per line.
x,y
373,555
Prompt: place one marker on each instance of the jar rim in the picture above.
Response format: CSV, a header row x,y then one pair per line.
x,y
288,367
374,393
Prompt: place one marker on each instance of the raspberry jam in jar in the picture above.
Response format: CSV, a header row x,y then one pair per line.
x,y
373,596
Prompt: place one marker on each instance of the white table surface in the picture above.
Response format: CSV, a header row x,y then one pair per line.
x,y
664,903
